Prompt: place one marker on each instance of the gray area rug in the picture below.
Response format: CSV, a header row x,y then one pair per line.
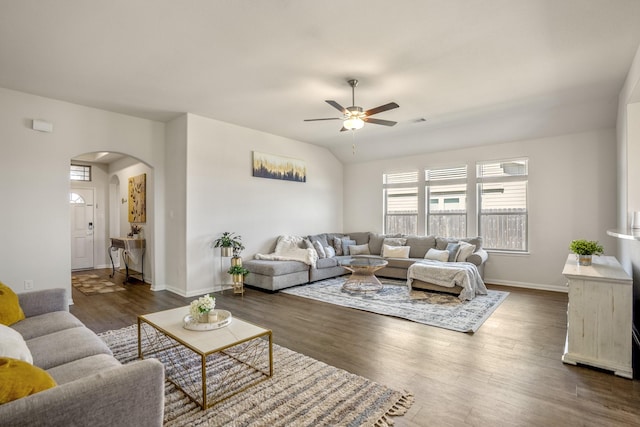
x,y
302,392
395,299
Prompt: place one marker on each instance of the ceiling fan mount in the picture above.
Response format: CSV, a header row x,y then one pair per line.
x,y
354,117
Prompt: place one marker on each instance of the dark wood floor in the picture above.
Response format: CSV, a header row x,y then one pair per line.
x,y
509,373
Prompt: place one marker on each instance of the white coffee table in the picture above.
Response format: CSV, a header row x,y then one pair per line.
x,y
162,335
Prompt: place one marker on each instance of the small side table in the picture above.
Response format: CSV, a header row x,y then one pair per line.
x,y
132,248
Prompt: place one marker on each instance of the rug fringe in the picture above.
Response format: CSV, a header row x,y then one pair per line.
x,y
399,408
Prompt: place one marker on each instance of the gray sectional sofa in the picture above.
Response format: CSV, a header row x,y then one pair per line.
x,y
93,388
275,275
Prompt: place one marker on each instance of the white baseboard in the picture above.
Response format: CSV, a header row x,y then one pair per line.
x,y
539,286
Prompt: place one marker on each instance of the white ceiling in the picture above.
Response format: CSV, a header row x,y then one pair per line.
x,y
479,72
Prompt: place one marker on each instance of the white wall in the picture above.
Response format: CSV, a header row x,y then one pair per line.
x,y
34,179
222,195
571,195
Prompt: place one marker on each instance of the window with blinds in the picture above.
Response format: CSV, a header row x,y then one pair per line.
x,y
80,173
503,204
400,195
446,201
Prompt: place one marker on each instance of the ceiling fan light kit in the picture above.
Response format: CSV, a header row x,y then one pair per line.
x,y
354,117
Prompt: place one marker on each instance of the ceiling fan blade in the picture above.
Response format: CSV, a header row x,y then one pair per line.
x,y
329,118
337,106
380,109
343,129
379,122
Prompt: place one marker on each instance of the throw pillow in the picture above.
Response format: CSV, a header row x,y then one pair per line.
x,y
394,241
13,345
395,251
319,249
437,255
329,252
346,242
452,248
465,250
337,245
359,250
20,379
10,310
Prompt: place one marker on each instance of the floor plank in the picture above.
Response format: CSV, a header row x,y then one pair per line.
x,y
509,373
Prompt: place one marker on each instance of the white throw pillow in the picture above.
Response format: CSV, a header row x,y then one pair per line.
x,y
395,251
329,252
359,250
464,251
437,255
13,345
318,247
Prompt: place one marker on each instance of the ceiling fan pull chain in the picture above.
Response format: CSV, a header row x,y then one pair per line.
x,y
353,144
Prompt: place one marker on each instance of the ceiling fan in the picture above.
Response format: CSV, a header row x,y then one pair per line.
x,y
354,117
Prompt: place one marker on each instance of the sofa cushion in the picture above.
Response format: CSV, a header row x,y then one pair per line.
x,y
420,245
437,255
394,241
45,324
81,368
65,346
361,237
20,379
12,345
319,249
359,250
274,268
399,262
395,251
322,238
376,240
327,263
10,310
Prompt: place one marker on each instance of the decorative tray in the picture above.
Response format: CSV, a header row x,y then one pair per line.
x,y
224,318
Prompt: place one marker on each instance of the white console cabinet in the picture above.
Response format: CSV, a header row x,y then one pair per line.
x,y
599,315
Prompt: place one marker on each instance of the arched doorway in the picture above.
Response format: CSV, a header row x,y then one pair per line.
x,y
107,175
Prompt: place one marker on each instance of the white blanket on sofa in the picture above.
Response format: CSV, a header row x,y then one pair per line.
x,y
449,274
289,248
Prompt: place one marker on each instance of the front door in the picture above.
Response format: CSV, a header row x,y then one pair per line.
x,y
82,225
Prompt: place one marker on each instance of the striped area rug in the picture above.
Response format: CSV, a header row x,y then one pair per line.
x,y
302,392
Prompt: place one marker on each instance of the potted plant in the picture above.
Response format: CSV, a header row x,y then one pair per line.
x,y
229,244
237,273
585,249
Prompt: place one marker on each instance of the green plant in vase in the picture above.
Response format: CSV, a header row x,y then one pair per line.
x,y
230,244
585,249
237,273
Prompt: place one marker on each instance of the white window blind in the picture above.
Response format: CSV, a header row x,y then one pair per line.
x,y
80,173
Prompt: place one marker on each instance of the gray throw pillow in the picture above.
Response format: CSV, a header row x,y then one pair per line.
x,y
346,242
452,248
394,241
319,249
359,250
336,243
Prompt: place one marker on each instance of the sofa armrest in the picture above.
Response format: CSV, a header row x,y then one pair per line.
x,y
478,258
45,301
130,395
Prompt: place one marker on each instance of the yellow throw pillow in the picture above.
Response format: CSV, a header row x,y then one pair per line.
x,y
10,311
19,379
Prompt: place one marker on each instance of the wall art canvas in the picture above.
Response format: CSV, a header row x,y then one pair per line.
x,y
279,167
138,198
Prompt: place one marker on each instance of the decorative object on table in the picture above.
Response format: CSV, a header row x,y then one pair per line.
x,y
229,243
311,389
585,249
216,319
278,167
237,273
395,299
200,308
136,231
138,198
